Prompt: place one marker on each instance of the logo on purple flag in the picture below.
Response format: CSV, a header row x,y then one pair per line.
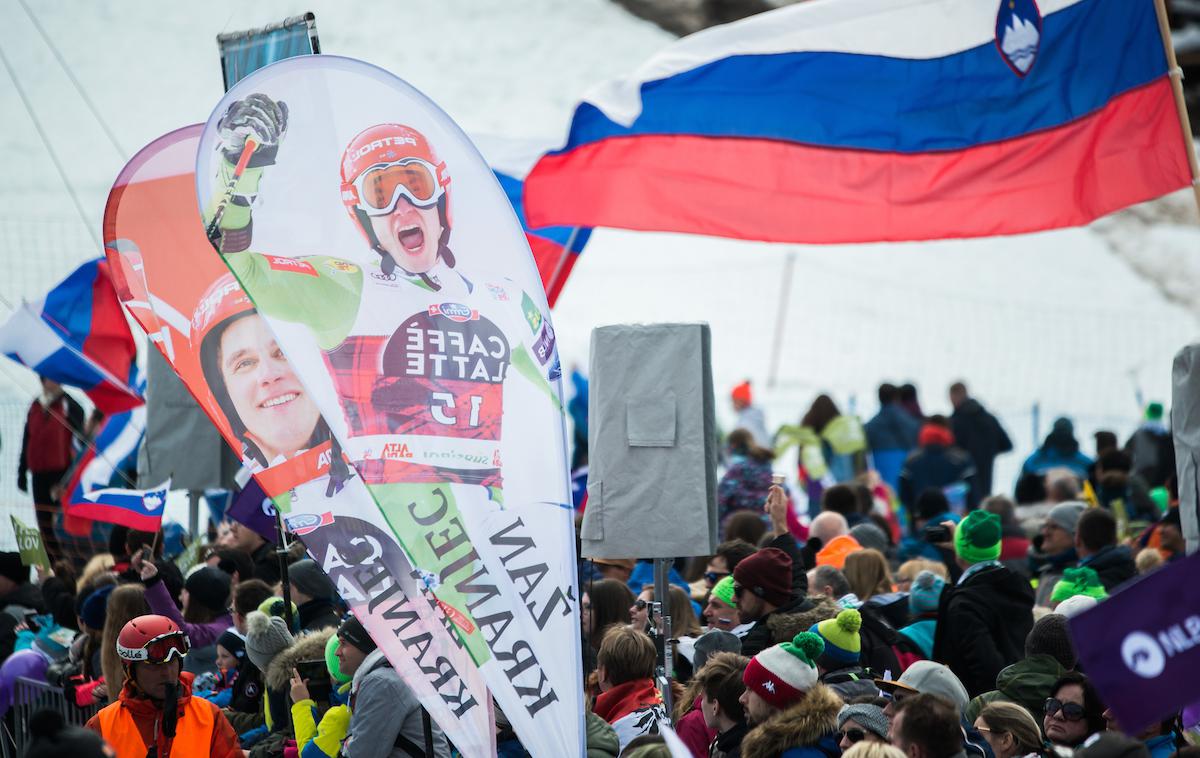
x,y
1141,646
254,510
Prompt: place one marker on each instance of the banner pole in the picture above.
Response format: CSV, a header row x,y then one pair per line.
x,y
281,551
662,599
1175,72
553,284
427,731
785,293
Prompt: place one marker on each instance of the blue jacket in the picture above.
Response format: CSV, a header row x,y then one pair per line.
x,y
893,428
1046,458
826,747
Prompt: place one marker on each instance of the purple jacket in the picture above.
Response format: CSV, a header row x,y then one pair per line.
x,y
199,635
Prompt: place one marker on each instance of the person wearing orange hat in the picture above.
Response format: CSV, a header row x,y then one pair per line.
x,y
834,554
749,416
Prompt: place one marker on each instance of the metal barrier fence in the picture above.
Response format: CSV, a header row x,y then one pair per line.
x,y
28,697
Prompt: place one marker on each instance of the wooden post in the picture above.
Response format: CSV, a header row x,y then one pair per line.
x,y
1176,76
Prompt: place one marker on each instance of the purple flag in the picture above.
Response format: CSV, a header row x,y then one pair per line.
x,y
252,508
1142,646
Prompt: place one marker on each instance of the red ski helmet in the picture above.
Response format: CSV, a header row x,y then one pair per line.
x,y
396,161
151,639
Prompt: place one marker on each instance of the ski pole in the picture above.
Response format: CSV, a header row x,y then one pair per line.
x,y
213,229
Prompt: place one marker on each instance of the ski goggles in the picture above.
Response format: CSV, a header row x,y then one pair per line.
x,y
1070,711
158,650
381,186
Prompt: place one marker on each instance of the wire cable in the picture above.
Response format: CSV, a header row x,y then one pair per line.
x,y
37,125
83,95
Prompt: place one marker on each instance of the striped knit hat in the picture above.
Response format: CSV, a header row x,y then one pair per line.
x,y
782,673
840,634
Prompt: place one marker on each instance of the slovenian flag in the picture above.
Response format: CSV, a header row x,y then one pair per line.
x,y
77,335
837,121
137,509
111,460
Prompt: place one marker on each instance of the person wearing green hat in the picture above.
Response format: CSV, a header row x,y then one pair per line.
x,y
792,714
1078,581
721,610
1152,449
984,618
839,664
323,738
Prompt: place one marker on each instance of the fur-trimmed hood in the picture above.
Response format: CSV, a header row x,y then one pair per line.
x,y
805,723
785,626
307,647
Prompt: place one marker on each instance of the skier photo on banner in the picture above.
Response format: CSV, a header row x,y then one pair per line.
x,y
386,260
435,375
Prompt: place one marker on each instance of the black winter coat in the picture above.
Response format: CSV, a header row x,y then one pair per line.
x,y
760,637
1114,564
938,467
980,434
982,626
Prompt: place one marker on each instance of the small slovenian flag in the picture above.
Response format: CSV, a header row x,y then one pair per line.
x,y
77,335
114,450
837,121
137,509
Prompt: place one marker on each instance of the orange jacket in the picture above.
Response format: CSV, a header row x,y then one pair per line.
x,y
132,723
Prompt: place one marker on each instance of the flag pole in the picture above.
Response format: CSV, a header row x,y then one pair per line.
x,y
1176,74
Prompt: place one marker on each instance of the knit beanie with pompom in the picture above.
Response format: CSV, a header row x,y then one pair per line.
x,y
840,635
1078,581
266,637
782,673
925,594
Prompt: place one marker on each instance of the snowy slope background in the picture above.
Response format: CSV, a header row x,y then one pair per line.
x,y
1080,322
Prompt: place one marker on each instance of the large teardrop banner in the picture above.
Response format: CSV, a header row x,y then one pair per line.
x,y
198,317
389,265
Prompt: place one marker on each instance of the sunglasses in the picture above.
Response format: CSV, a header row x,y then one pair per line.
x,y
712,577
854,735
640,604
1070,711
738,590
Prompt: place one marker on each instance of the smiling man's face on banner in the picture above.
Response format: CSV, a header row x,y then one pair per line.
x,y
265,393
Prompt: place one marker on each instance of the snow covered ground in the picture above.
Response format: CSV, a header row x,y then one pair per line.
x,y
1069,320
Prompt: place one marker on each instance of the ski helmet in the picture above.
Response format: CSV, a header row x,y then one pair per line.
x,y
151,639
386,162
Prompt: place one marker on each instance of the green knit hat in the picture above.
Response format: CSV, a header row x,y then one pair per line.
x,y
1078,581
723,591
842,643
977,538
